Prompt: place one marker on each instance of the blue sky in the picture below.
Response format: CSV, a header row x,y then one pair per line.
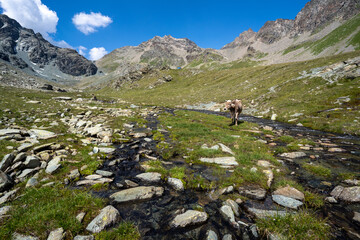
x,y
210,24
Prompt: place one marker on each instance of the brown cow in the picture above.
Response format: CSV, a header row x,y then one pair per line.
x,y
235,107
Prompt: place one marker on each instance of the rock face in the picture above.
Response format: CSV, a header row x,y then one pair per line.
x,y
244,39
190,217
107,217
26,50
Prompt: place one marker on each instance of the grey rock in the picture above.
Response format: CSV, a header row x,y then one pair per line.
x,y
293,155
107,217
17,236
257,194
330,200
355,218
6,161
25,147
74,174
176,184
130,183
137,193
5,182
32,162
228,214
26,172
57,234
152,177
350,194
93,131
211,235
254,231
190,217
234,206
260,213
20,157
42,147
225,161
82,237
93,182
226,149
9,131
286,201
53,165
5,210
290,192
8,196
107,150
104,173
32,182
337,191
42,134
63,98
227,237
80,216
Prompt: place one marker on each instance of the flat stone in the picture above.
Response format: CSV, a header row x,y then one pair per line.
x,y
57,234
25,147
190,217
290,192
350,194
176,184
62,98
293,155
130,183
84,237
6,161
104,173
8,196
17,236
9,131
257,194
228,214
20,157
355,218
93,182
263,163
107,217
336,150
137,193
93,177
139,135
152,177
42,134
337,191
225,161
5,181
93,131
106,150
5,210
74,174
286,201
226,149
32,182
260,213
42,147
26,172
80,216
53,165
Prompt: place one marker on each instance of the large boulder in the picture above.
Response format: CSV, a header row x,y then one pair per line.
x,y
5,181
108,216
6,161
348,194
290,192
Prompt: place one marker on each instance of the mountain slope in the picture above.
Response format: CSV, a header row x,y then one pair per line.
x,y
30,52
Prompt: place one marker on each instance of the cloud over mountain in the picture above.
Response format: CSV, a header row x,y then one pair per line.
x,y
89,23
97,53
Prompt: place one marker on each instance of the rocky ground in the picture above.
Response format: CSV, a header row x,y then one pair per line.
x,y
77,168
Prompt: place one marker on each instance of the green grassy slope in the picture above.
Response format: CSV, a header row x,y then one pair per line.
x,y
249,81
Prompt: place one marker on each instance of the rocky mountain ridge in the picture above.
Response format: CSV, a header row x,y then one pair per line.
x,y
24,49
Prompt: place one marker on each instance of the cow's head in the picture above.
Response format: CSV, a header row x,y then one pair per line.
x,y
229,104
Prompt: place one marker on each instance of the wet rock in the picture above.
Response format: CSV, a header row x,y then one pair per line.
x,y
190,217
57,234
104,173
6,161
261,213
152,177
211,235
176,184
257,194
32,162
108,216
226,149
5,182
53,165
84,237
42,134
286,201
293,155
225,161
234,206
8,196
290,192
17,236
32,182
137,193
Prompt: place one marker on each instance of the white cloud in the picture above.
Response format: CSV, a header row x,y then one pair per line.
x,y
89,23
61,43
81,50
97,53
31,14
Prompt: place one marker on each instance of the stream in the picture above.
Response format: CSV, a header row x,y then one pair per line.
x,y
153,216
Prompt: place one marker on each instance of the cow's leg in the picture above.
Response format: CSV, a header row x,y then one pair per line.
x,y
236,117
232,114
